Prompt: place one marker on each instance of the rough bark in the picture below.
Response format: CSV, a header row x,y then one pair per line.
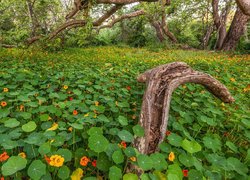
x,y
166,31
244,5
161,82
236,30
158,30
33,20
207,36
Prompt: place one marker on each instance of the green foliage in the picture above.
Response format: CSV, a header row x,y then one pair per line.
x,y
84,104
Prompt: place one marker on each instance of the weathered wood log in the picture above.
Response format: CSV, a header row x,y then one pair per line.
x,y
161,82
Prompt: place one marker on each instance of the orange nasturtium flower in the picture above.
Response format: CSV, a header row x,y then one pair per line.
x,y
47,159
21,107
96,103
56,160
3,103
22,154
5,90
65,87
77,174
4,156
171,156
2,178
123,145
75,112
84,161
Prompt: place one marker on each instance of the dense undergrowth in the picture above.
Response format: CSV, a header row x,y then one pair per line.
x,y
74,114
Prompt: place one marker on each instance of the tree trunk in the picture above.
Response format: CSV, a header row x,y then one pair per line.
x,y
236,30
33,20
159,31
161,83
244,5
207,36
166,30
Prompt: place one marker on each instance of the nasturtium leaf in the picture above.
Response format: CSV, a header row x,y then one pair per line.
x,y
95,130
165,147
159,162
145,162
63,172
144,177
175,139
123,120
14,164
129,152
246,123
10,144
236,165
186,160
67,154
11,123
58,141
212,143
194,175
232,146
25,115
125,136
118,157
44,117
36,169
98,143
191,146
102,118
138,130
44,148
76,125
215,159
174,172
77,92
115,173
103,162
47,176
130,176
4,113
29,127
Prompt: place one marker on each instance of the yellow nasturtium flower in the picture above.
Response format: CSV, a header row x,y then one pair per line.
x,y
77,174
171,156
56,160
53,127
22,154
65,87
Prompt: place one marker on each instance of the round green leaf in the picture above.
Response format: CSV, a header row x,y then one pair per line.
x,y
125,136
159,162
26,115
194,175
28,127
175,139
123,120
36,169
11,123
236,165
145,162
174,172
44,148
118,157
190,146
186,160
67,154
98,143
212,143
129,152
44,117
14,164
115,173
63,172
95,130
130,176
138,130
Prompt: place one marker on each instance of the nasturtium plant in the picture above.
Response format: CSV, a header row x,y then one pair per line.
x,y
81,107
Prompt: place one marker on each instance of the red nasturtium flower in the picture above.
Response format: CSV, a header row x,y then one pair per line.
x,y
4,156
84,161
168,133
123,144
3,103
70,98
128,88
185,172
2,178
75,112
47,159
94,163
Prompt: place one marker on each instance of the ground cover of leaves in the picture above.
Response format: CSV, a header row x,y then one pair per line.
x,y
73,115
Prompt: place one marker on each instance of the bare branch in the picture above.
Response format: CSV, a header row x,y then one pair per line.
x,y
122,1
125,16
76,8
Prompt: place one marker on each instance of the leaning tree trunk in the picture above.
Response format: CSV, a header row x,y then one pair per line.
x,y
161,82
158,29
236,30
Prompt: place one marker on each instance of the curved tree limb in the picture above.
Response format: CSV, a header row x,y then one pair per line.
x,y
76,8
161,82
244,6
125,16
